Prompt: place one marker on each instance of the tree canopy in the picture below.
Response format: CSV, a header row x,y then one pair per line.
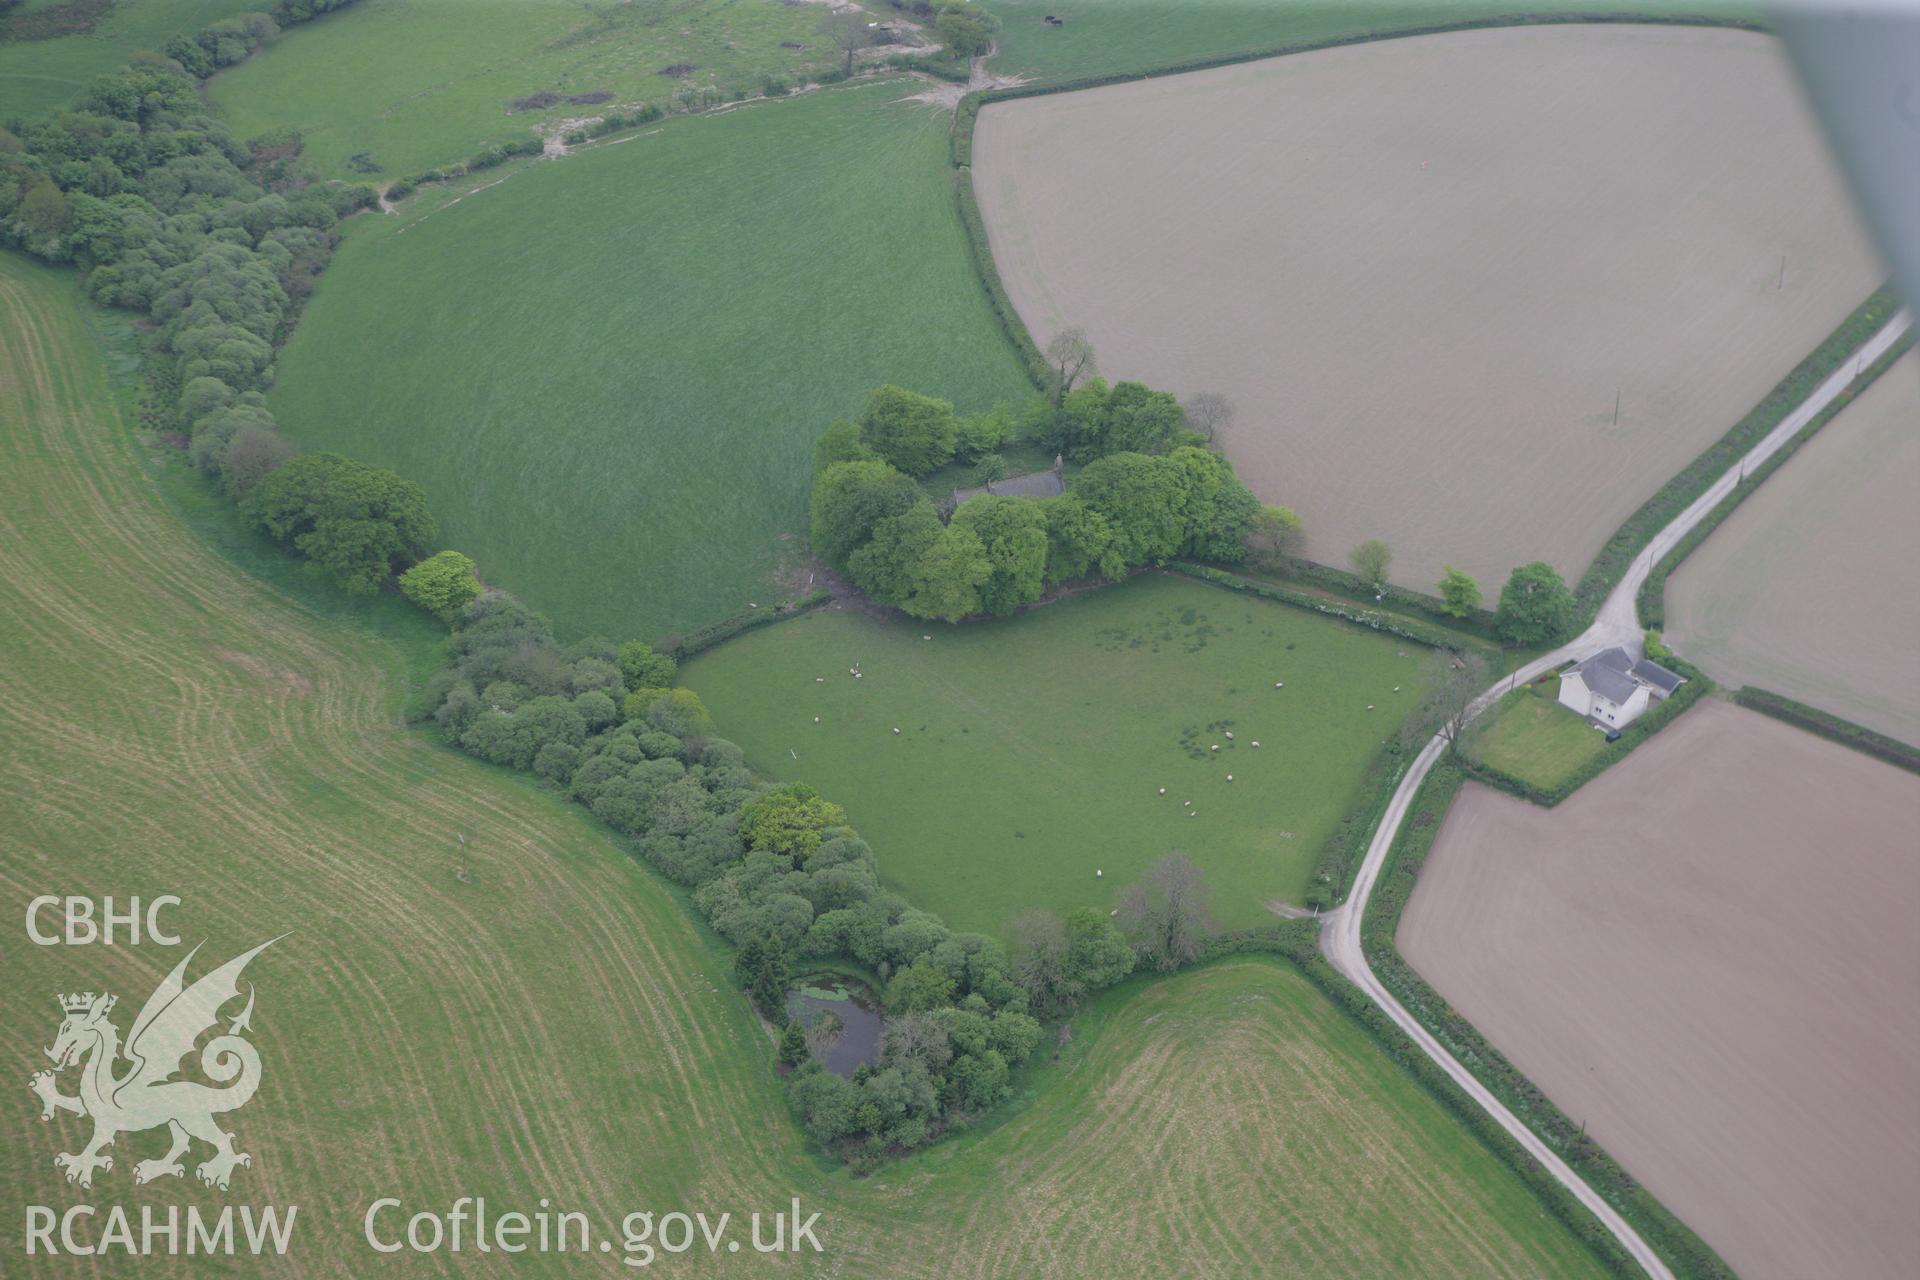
x,y
912,432
1536,608
352,521
1460,592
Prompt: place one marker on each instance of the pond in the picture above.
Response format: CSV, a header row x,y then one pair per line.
x,y
860,1020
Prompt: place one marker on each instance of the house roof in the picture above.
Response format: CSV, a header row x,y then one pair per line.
x,y
1649,672
1606,674
1034,484
1613,674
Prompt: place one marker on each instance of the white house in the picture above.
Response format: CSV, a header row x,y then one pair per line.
x,y
1613,690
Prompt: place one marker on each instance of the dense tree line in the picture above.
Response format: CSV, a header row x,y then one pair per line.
x,y
1149,493
779,874
219,242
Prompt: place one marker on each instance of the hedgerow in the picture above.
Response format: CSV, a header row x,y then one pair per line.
x,y
1832,727
1374,619
701,639
219,242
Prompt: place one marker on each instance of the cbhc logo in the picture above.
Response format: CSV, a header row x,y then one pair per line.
x,y
81,926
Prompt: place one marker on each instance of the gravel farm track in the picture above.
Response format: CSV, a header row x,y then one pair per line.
x,y
1617,623
1760,602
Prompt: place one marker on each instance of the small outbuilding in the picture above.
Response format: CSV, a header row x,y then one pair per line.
x,y
1034,484
1613,690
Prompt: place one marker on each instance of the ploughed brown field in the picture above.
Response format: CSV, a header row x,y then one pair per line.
x,y
1810,588
1708,956
1423,268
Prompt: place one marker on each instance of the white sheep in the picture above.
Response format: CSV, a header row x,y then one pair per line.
x,y
1229,735
1229,777
896,728
1256,742
1163,791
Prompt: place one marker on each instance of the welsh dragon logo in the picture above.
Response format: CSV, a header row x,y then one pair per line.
x,y
144,1095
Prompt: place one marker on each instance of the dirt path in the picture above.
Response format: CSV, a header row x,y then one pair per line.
x,y
1616,624
948,96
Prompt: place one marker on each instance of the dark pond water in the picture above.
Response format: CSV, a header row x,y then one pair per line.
x,y
859,1014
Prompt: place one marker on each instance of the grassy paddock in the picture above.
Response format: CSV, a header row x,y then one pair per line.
x,y
418,83
1127,38
1032,749
610,387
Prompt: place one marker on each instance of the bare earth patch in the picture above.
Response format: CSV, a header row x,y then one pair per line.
x,y
1423,268
1811,587
1707,955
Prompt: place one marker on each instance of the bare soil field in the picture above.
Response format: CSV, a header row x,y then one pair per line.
x,y
1423,268
1810,588
1707,955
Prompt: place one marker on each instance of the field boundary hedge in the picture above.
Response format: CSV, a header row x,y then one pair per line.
x,y
1831,727
1690,1257
1374,619
1663,713
1651,602
699,640
1699,475
1326,577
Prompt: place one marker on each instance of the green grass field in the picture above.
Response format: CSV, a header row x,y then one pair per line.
x,y
42,76
422,83
1031,750
528,1013
1536,739
610,386
1128,37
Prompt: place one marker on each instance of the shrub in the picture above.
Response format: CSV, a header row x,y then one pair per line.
x,y
642,668
443,584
